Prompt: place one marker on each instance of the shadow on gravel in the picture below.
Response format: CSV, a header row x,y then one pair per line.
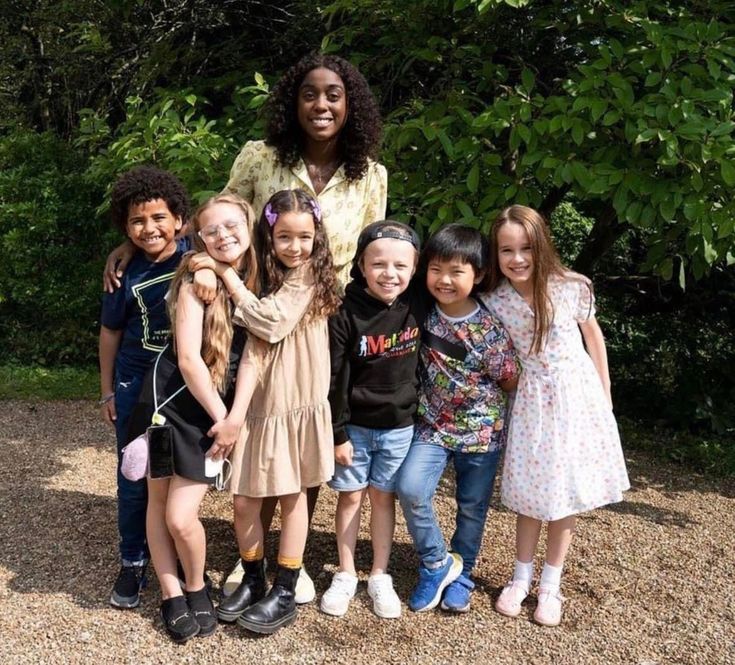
x,y
651,513
671,480
65,542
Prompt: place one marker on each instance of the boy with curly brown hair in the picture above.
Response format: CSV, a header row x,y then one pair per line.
x,y
150,207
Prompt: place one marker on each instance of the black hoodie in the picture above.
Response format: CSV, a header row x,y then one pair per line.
x,y
374,354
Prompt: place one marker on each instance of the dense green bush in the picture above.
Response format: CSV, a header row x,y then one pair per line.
x,y
671,353
51,242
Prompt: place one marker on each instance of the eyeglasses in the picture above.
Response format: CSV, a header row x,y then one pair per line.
x,y
212,231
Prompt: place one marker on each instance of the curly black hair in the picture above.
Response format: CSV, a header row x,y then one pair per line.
x,y
146,183
358,139
273,273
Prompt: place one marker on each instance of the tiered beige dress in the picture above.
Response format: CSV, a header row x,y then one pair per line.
x,y
286,443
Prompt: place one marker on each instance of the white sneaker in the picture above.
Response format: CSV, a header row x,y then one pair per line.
x,y
386,603
337,597
305,591
233,579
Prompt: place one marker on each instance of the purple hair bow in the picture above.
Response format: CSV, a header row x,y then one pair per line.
x,y
316,209
272,216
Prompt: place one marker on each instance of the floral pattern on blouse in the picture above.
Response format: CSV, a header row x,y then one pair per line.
x,y
347,206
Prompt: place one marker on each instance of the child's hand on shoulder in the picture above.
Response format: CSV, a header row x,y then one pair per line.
x,y
202,261
343,453
205,279
115,265
509,385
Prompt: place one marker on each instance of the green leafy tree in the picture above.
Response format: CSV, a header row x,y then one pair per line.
x,y
626,107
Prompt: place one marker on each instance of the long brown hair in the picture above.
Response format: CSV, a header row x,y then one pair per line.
x,y
217,328
546,264
326,299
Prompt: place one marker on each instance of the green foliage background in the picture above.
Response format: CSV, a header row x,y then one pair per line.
x,y
613,118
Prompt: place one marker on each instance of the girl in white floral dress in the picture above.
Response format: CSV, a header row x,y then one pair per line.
x,y
563,454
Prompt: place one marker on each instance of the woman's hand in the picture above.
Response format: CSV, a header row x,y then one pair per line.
x,y
225,434
115,265
343,453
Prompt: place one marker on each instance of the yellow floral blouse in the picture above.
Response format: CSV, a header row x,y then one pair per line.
x,y
347,206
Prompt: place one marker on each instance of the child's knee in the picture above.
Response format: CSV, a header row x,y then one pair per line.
x,y
350,499
380,497
246,509
410,491
240,505
180,524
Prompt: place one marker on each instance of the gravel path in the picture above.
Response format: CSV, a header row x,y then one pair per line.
x,y
648,581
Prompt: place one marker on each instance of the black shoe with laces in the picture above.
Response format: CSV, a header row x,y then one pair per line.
x,y
201,608
126,591
178,620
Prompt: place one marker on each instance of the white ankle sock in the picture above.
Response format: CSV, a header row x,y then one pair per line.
x,y
523,572
550,576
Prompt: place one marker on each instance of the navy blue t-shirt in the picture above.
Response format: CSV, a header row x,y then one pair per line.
x,y
138,308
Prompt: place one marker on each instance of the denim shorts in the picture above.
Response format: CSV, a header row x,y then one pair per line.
x,y
377,455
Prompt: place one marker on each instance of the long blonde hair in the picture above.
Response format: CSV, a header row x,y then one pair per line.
x,y
546,264
217,329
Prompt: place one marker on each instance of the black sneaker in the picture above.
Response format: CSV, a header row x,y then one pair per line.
x,y
126,591
178,620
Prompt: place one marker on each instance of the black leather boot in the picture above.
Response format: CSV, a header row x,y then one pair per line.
x,y
277,609
251,590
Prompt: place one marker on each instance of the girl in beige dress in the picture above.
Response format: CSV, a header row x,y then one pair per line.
x,y
286,443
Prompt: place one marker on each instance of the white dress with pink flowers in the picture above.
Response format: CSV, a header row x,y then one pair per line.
x,y
563,454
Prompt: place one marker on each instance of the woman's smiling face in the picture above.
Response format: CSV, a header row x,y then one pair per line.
x,y
321,106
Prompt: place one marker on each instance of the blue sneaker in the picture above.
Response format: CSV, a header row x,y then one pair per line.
x,y
428,592
457,596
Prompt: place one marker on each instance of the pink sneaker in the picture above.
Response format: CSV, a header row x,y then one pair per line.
x,y
548,611
511,597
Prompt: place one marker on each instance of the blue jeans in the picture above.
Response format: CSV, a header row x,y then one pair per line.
x,y
417,482
132,496
377,455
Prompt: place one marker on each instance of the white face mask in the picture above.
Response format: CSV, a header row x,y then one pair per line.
x,y
220,470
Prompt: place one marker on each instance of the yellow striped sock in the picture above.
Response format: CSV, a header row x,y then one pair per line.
x,y
254,554
294,563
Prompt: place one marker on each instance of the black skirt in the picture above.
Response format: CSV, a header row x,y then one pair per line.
x,y
188,419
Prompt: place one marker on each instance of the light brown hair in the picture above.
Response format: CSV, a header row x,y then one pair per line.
x,y
546,265
217,330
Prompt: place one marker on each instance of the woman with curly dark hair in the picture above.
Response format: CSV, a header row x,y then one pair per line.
x,y
322,135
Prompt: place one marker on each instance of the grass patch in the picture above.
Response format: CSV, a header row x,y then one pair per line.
x,y
19,382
